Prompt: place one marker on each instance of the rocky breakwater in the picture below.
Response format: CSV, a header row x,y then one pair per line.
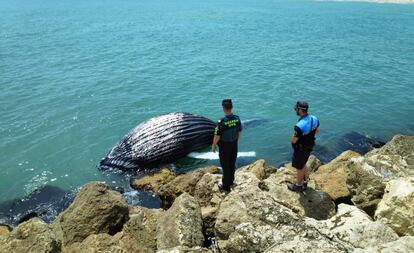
x,y
353,204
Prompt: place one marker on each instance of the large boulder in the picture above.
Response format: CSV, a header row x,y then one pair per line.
x,y
140,232
366,186
208,197
257,168
253,220
96,209
181,225
183,183
355,227
396,208
332,177
311,203
102,243
395,159
401,145
153,182
33,235
402,245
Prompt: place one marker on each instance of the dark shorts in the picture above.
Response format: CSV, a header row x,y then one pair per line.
x,y
300,158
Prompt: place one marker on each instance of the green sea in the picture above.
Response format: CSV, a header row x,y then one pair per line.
x,y
76,76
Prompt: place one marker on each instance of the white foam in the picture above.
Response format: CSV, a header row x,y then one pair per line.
x,y
215,156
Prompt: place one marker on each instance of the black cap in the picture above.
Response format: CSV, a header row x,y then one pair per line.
x,y
227,102
302,105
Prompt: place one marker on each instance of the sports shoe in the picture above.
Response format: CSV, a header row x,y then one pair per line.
x,y
305,185
295,188
220,186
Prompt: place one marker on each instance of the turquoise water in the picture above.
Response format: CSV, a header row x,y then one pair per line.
x,y
75,76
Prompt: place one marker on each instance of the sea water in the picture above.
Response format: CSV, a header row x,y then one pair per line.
x,y
76,76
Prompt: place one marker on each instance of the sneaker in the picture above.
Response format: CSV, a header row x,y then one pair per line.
x,y
220,186
305,185
295,188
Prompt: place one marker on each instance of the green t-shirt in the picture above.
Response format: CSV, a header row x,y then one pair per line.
x,y
228,127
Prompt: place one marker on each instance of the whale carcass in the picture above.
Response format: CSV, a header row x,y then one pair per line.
x,y
160,140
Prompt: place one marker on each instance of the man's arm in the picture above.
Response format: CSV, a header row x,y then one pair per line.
x,y
217,133
295,137
216,139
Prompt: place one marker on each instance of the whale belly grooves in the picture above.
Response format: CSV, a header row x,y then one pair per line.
x,y
160,140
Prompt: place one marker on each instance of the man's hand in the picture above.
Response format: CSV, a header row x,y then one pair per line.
x,y
213,148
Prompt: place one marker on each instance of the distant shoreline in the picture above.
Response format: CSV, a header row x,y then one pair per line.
x,y
373,1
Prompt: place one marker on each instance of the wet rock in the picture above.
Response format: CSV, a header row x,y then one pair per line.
x,y
396,208
332,177
96,209
353,226
153,182
46,203
402,245
102,243
257,168
4,230
30,236
181,184
360,143
181,225
311,203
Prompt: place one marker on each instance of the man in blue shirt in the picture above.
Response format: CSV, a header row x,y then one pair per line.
x,y
226,136
303,141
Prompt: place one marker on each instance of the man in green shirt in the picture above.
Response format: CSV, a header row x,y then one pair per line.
x,y
226,136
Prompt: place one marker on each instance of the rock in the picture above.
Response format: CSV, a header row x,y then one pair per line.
x,y
30,236
181,184
181,249
257,168
306,245
45,202
396,208
102,243
140,232
96,209
332,177
402,245
313,164
181,225
353,226
401,145
366,187
206,191
395,159
312,203
208,197
153,182
252,220
4,230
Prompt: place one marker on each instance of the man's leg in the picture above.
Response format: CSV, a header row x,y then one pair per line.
x,y
225,161
233,162
300,176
